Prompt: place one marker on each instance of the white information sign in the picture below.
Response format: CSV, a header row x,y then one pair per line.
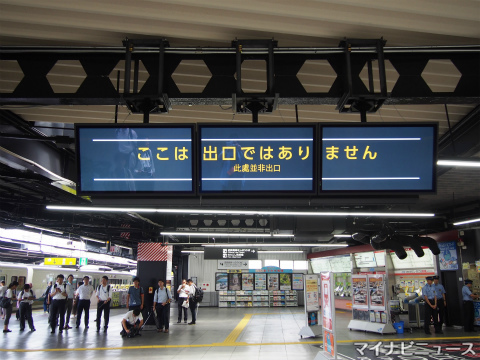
x,y
232,264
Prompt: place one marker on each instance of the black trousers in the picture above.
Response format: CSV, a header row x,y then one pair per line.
x,y
83,305
193,308
26,313
101,306
429,313
69,306
163,316
181,308
441,312
57,308
468,315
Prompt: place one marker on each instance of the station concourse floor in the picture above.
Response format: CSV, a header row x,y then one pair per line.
x,y
223,333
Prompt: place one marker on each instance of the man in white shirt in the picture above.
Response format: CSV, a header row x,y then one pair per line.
x,y
84,294
69,303
161,304
132,323
58,294
182,291
104,296
25,298
192,303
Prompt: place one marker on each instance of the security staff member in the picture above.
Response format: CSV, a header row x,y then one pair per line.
x,y
441,300
104,297
428,292
468,298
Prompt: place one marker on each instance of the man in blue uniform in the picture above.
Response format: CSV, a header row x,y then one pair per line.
x,y
468,298
441,300
428,292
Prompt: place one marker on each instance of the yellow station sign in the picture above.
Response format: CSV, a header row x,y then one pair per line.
x,y
60,261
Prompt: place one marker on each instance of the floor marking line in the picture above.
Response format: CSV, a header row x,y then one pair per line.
x,y
232,337
227,344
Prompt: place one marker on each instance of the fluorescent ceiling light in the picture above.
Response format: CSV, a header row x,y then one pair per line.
x,y
124,247
267,245
94,240
342,236
236,212
462,163
193,251
279,251
225,234
466,222
42,228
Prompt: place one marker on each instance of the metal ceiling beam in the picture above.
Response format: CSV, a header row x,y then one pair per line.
x,y
284,86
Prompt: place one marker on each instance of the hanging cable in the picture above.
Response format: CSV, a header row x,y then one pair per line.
x,y
450,131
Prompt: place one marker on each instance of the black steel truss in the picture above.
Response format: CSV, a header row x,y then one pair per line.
x,y
159,93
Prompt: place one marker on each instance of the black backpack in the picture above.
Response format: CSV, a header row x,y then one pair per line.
x,y
198,297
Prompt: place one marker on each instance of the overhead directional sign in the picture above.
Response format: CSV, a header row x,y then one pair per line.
x,y
232,264
217,253
60,261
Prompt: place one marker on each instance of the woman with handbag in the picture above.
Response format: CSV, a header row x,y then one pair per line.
x,y
7,303
182,292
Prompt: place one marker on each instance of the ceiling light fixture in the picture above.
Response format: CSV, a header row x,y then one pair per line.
x,y
224,234
90,239
461,163
42,228
193,251
237,212
342,236
466,222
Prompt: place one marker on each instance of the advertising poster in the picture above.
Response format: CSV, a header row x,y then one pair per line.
x,y
360,292
448,255
311,293
272,281
376,289
260,281
328,343
221,281
234,281
285,281
247,281
297,281
326,302
476,312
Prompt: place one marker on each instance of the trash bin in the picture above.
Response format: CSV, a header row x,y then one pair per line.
x,y
399,327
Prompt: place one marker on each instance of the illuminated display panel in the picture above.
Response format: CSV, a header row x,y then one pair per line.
x,y
134,159
365,260
320,265
341,264
412,261
257,158
378,157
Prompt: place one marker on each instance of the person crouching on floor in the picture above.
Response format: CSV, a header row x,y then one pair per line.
x,y
132,323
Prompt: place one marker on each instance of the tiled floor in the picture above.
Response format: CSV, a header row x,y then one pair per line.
x,y
270,333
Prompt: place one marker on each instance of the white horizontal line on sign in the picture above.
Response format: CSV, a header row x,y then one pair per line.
x,y
375,178
119,140
256,179
371,139
257,139
130,179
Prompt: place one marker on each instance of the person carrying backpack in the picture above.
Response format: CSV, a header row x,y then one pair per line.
x,y
161,303
46,300
192,301
104,297
58,294
26,298
7,301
